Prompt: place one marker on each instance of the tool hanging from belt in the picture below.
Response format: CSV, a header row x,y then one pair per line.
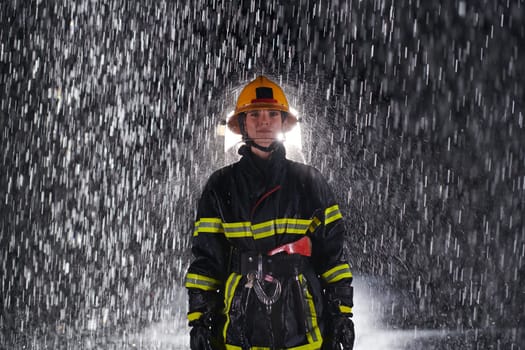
x,y
258,268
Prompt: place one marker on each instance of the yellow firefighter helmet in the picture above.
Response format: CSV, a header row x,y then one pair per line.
x,y
261,93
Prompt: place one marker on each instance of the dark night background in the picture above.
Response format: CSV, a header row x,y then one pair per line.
x,y
414,111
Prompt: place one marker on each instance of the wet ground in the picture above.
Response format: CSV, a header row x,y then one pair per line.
x,y
373,332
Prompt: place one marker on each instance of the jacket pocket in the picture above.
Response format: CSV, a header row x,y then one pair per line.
x,y
232,304
301,305
313,334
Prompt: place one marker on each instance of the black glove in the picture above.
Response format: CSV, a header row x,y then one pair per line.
x,y
342,336
205,332
340,327
201,334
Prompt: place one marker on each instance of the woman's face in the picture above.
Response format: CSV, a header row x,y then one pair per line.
x,y
264,126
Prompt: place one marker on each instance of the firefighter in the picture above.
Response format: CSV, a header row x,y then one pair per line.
x,y
268,269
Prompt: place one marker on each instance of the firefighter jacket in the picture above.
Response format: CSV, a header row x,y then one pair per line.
x,y
254,206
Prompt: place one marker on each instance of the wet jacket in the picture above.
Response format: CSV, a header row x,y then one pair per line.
x,y
252,207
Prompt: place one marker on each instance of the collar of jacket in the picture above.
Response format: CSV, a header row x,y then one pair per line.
x,y
273,166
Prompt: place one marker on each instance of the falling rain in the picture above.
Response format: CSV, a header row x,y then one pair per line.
x,y
112,118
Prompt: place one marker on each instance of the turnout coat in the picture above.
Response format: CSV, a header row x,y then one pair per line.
x,y
252,207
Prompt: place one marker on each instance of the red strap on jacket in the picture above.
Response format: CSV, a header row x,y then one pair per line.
x,y
264,196
302,246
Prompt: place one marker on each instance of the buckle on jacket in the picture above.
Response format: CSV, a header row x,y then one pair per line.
x,y
255,268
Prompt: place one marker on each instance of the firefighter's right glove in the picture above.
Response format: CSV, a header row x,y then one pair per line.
x,y
201,334
204,316
343,335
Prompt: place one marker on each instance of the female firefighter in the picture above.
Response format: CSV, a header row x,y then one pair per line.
x,y
268,269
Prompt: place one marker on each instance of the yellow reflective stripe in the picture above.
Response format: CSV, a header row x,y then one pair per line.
x,y
313,333
345,309
208,225
314,224
313,346
337,273
268,228
280,226
194,280
263,229
332,214
296,226
192,316
237,229
231,286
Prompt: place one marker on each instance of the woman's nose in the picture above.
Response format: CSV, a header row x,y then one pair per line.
x,y
264,118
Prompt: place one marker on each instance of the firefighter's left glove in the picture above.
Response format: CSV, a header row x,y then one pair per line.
x,y
205,317
340,327
343,335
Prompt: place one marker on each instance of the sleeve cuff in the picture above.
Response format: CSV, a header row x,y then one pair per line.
x,y
347,310
192,316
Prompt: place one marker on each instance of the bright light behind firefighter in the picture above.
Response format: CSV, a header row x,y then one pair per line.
x,y
260,97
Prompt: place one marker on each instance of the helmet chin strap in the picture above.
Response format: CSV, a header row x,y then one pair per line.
x,y
251,142
268,149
